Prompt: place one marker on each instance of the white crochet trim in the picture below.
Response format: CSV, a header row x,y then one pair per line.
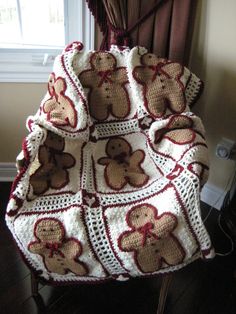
x,y
117,128
99,240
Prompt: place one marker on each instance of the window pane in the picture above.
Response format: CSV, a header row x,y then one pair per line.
x,y
43,22
9,25
32,22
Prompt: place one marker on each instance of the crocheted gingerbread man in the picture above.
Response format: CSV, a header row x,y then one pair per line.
x,y
59,107
123,165
52,172
60,255
178,130
151,238
161,83
106,83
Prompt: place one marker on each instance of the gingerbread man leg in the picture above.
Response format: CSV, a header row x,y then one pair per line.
x,y
171,251
148,260
176,101
120,108
76,268
39,183
115,175
181,136
136,175
98,109
59,178
156,101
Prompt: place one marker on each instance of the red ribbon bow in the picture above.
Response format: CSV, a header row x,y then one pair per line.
x,y
105,76
157,70
146,230
54,249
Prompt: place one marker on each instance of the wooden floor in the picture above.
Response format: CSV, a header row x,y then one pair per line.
x,y
200,288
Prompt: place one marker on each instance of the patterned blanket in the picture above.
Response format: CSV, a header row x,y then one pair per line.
x,y
113,168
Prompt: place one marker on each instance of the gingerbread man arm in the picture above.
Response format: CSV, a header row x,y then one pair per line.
x,y
119,75
71,248
89,78
49,104
130,240
164,225
173,69
143,74
136,158
65,160
104,161
36,247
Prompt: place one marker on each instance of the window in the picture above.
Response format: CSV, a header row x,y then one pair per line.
x,y
33,32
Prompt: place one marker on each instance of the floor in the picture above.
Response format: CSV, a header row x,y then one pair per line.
x,y
200,288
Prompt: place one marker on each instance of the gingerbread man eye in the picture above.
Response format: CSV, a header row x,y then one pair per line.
x,y
51,229
119,145
149,56
44,229
99,58
145,215
108,57
137,216
113,147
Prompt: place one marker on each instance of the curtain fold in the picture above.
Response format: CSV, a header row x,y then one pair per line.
x,y
164,27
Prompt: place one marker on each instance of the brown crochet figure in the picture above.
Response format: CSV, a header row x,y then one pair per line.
x,y
161,83
59,108
106,83
52,172
60,254
122,165
151,238
178,130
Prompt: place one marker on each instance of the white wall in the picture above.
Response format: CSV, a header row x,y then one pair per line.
x,y
213,59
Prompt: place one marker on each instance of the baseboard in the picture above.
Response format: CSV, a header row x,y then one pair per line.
x,y
213,196
7,171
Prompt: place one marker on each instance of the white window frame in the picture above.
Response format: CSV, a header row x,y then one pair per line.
x,y
34,65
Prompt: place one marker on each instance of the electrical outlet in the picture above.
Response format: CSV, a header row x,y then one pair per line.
x,y
225,148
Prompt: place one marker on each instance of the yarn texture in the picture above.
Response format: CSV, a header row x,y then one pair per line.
x,y
113,168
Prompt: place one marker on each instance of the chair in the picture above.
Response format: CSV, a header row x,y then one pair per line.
x,y
112,170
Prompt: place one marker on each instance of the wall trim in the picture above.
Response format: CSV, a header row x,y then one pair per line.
x,y
7,171
213,196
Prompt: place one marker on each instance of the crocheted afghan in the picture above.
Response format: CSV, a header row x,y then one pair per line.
x,y
114,164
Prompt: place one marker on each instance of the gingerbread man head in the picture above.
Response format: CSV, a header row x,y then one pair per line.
x,y
118,148
59,108
49,230
103,61
141,215
150,59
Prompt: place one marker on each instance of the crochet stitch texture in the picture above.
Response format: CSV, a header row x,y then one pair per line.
x,y
114,164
